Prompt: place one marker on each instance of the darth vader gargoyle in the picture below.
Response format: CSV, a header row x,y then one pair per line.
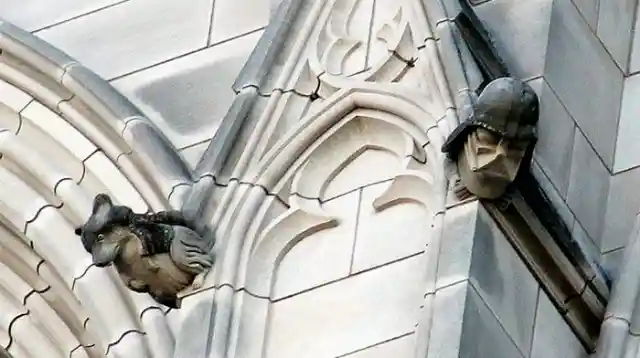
x,y
490,145
156,253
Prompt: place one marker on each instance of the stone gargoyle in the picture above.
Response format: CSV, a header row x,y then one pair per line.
x,y
494,141
159,254
489,146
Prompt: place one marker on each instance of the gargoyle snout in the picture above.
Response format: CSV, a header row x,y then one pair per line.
x,y
104,253
102,264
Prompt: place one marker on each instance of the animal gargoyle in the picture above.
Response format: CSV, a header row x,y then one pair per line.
x,y
158,253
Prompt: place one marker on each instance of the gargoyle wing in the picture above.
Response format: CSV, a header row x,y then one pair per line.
x,y
190,251
169,217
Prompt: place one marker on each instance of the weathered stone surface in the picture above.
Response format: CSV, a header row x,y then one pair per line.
x,y
585,77
615,28
628,141
133,35
32,15
203,80
623,204
322,257
348,315
552,336
503,282
232,18
520,30
556,131
588,188
589,10
192,154
482,333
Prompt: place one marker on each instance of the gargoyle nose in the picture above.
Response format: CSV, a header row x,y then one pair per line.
x,y
501,148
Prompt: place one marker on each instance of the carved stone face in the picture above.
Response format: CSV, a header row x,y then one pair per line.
x,y
106,249
490,145
489,162
100,237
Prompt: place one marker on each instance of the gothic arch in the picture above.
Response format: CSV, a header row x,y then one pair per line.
x,y
298,170
65,135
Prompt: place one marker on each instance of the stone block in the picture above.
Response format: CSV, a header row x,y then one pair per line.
x,y
589,10
520,30
40,129
196,317
611,262
32,15
357,173
586,244
396,232
552,336
322,257
457,240
192,154
585,77
133,35
556,130
233,18
557,200
448,307
628,142
634,62
49,122
122,191
348,315
188,97
13,97
503,281
482,333
588,188
400,348
623,204
615,28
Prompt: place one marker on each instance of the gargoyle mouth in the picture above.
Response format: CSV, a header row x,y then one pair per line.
x,y
104,253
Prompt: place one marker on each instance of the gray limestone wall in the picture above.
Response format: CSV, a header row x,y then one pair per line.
x,y
504,313
178,64
582,57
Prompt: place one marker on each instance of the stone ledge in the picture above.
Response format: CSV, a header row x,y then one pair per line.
x,y
576,287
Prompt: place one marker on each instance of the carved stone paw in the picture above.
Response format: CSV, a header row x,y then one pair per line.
x,y
460,190
198,281
199,261
152,265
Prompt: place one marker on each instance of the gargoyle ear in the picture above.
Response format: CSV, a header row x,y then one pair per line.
x,y
78,231
100,200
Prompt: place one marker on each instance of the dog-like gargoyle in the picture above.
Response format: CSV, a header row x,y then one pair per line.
x,y
159,253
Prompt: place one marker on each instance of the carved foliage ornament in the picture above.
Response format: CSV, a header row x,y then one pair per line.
x,y
156,253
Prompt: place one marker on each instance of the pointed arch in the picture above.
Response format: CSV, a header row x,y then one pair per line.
x,y
65,135
297,168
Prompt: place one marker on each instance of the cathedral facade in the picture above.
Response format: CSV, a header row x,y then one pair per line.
x,y
410,179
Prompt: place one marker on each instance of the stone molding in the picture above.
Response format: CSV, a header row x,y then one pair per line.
x,y
271,198
619,331
66,135
578,297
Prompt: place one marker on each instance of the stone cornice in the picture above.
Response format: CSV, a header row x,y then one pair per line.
x,y
575,286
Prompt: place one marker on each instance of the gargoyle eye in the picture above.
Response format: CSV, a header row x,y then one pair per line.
x,y
100,237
